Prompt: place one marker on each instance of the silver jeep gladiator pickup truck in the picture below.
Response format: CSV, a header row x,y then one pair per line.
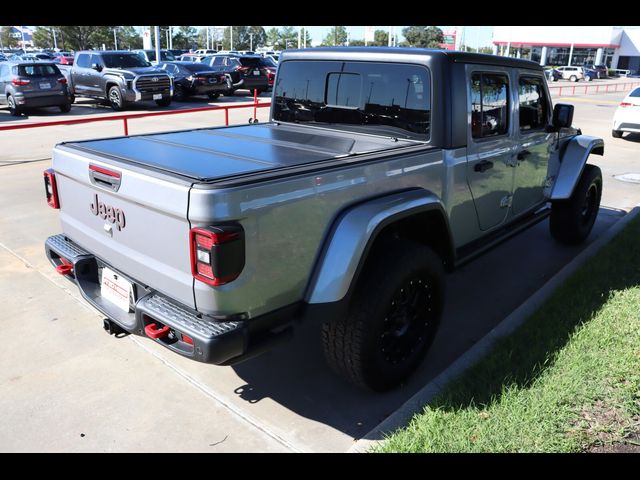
x,y
379,171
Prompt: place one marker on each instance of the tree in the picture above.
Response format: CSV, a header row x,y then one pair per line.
x,y
128,38
185,38
337,36
43,37
273,37
423,36
288,38
380,38
7,40
356,43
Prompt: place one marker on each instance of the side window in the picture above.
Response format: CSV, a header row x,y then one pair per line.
x,y
489,104
534,105
218,61
96,59
3,71
83,60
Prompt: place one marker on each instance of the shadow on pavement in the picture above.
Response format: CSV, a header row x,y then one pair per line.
x,y
480,295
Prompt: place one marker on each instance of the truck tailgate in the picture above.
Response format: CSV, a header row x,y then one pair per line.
x,y
148,241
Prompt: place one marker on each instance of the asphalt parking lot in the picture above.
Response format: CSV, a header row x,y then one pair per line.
x,y
67,386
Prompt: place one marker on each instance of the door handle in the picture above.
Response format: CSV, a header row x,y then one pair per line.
x,y
523,154
483,166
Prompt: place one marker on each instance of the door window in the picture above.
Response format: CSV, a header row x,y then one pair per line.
x,y
534,105
83,60
489,104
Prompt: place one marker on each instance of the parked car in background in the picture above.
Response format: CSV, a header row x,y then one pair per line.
x,y
602,70
63,60
271,66
572,74
191,57
250,73
205,51
627,116
177,52
119,77
275,57
552,74
150,55
3,58
589,74
27,84
191,78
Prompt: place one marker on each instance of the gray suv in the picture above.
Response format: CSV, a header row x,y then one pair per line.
x,y
33,84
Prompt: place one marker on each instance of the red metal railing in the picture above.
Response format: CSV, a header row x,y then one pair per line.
x,y
610,87
127,117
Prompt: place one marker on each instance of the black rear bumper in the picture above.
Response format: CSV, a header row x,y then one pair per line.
x,y
218,340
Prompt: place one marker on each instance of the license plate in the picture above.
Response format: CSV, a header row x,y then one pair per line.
x,y
256,72
45,85
116,289
157,96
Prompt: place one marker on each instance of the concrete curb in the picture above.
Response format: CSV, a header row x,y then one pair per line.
x,y
415,404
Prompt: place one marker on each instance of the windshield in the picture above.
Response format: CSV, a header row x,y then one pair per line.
x,y
124,60
382,98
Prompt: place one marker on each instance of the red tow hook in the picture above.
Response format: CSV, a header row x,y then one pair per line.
x,y
153,332
65,268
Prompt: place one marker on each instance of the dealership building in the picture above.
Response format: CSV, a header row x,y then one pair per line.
x,y
616,47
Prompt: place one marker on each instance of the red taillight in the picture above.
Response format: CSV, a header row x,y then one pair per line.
x,y
51,188
17,82
201,79
626,104
62,80
217,253
187,339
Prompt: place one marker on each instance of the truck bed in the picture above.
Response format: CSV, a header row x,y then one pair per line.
x,y
212,154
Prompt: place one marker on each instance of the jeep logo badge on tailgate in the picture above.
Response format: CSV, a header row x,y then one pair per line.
x,y
107,212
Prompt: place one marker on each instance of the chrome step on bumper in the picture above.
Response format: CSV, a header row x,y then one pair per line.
x,y
187,332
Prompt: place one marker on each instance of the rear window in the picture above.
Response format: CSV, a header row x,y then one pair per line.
x,y
38,70
164,56
383,98
249,61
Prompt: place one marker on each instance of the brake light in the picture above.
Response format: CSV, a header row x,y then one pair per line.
x,y
62,80
50,188
217,253
626,104
17,82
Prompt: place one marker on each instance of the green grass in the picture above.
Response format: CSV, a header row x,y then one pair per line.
x,y
565,381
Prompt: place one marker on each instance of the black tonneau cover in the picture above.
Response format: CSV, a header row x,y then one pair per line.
x,y
215,153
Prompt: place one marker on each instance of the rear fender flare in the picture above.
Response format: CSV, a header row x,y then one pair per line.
x,y
352,235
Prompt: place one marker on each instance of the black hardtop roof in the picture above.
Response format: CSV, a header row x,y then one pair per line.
x,y
107,52
452,56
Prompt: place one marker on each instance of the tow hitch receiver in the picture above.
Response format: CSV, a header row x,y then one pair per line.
x,y
113,329
152,331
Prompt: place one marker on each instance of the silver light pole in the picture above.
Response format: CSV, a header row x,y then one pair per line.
x,y
157,32
231,36
115,40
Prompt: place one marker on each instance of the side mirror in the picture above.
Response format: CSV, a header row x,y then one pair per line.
x,y
562,116
97,67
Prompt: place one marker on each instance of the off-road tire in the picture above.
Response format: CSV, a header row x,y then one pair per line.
x,y
66,108
370,346
115,99
571,220
616,133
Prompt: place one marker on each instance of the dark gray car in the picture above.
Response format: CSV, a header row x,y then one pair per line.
x,y
26,85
